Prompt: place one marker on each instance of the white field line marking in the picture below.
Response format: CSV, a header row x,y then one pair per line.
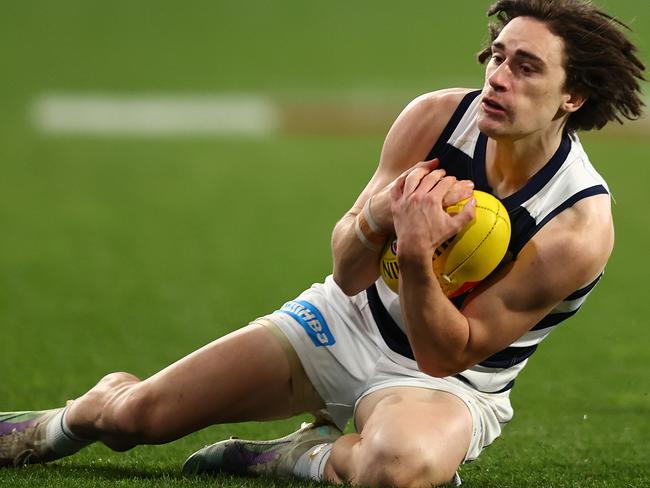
x,y
168,115
154,115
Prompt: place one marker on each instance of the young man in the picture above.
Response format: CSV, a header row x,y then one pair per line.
x,y
427,380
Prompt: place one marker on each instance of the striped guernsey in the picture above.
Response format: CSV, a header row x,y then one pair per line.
x,y
567,178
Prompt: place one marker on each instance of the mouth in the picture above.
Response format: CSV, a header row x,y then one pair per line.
x,y
492,106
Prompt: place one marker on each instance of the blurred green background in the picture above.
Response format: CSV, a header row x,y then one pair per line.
x,y
127,253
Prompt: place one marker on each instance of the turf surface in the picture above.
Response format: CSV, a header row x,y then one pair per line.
x,y
128,254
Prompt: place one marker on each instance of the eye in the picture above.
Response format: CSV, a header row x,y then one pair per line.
x,y
527,69
497,58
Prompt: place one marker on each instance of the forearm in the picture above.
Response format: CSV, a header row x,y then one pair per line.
x,y
438,332
356,266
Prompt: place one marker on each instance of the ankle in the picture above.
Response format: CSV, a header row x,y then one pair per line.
x,y
78,424
311,464
59,437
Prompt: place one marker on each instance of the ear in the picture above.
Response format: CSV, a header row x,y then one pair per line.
x,y
572,102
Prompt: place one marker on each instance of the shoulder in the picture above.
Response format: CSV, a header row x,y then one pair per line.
x,y
573,248
439,101
419,125
428,114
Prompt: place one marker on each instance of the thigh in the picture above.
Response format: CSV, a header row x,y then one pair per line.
x,y
339,367
242,376
435,425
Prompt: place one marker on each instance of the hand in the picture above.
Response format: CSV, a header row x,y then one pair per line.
x,y
418,202
381,201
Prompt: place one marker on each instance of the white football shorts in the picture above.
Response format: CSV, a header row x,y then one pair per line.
x,y
345,358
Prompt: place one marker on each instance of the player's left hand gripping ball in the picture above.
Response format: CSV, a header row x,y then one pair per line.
x,y
467,258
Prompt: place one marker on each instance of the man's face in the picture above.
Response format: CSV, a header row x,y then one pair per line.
x,y
524,81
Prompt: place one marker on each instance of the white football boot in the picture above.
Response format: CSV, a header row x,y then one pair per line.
x,y
276,457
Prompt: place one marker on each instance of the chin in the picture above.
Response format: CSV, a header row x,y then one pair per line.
x,y
490,128
496,130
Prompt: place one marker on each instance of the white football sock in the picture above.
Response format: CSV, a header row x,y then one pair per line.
x,y
60,439
312,463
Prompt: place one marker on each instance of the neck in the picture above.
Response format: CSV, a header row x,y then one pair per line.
x,y
510,163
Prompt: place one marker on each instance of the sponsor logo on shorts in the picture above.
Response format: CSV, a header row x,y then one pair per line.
x,y
311,320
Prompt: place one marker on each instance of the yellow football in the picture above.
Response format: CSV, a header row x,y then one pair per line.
x,y
470,256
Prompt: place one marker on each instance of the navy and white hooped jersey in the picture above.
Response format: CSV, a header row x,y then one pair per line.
x,y
567,178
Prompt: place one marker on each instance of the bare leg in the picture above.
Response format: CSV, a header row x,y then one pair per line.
x,y
242,376
409,437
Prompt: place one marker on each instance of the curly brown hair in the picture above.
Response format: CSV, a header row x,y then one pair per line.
x,y
600,61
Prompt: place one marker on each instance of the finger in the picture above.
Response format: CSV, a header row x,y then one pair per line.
x,y
459,191
429,165
415,178
397,189
442,187
466,215
432,179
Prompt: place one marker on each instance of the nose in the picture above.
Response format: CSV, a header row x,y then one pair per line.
x,y
499,78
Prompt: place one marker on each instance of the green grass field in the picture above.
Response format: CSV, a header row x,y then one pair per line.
x,y
126,254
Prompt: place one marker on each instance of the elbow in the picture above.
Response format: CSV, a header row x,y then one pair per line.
x,y
352,277
351,291
347,284
438,372
441,368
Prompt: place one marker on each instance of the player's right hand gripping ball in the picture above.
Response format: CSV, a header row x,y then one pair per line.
x,y
467,258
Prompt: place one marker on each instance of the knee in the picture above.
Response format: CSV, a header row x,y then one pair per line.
x,y
406,464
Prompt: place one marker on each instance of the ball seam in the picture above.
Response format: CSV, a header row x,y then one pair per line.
x,y
496,214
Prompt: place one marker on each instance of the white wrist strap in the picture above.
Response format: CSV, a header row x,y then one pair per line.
x,y
363,239
372,223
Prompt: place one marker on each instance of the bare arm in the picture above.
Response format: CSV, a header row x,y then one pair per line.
x,y
408,141
567,253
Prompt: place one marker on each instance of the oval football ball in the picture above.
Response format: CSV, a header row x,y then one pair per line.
x,y
467,258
